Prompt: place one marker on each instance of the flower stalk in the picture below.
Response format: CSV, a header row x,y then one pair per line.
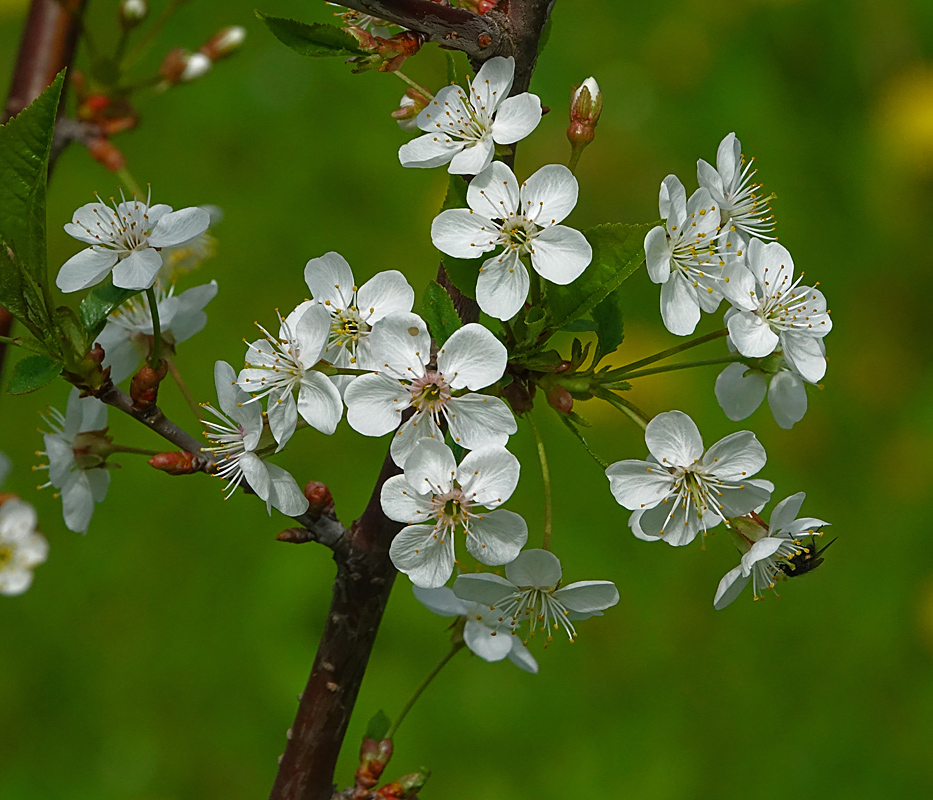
x,y
455,648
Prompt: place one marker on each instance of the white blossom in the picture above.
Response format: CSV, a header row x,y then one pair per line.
x,y
730,185
437,499
408,124
773,310
126,338
275,368
524,221
126,239
683,490
483,634
472,358
353,311
237,440
530,595
183,258
74,447
22,548
770,551
682,256
464,128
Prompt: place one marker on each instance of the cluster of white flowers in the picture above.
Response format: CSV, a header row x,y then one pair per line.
x,y
716,245
22,547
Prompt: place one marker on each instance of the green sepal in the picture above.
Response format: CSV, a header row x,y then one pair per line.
x,y
618,250
439,313
378,726
99,304
314,39
33,372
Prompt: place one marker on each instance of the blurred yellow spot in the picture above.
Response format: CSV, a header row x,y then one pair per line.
x,y
13,8
906,118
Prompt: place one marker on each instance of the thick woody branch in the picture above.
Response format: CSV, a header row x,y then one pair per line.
x,y
456,28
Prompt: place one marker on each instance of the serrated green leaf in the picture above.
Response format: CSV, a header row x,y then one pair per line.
x,y
73,337
378,726
609,325
32,373
25,143
439,313
98,305
548,361
314,39
618,250
579,326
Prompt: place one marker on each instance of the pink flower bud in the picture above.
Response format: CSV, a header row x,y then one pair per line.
x,y
181,463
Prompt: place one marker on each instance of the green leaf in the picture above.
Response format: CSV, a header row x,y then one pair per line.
x,y
99,304
25,143
73,337
579,326
609,325
439,313
451,68
462,272
314,39
618,250
547,361
32,373
378,726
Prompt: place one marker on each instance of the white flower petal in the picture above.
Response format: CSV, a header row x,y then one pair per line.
x,y
762,549
730,587
586,597
549,195
483,588
560,254
674,439
330,280
138,270
283,415
284,492
426,557
462,234
442,601
431,467
494,193
401,345
319,402
492,84
740,391
680,309
488,476
256,473
478,419
90,223
473,158
805,354
639,484
672,201
738,285
737,500
85,269
787,397
502,286
485,642
99,482
516,118
431,150
178,227
496,537
735,457
310,335
785,512
189,318
401,501
634,523
375,404
383,294
658,255
420,426
710,179
472,358
77,503
752,335
537,568
521,657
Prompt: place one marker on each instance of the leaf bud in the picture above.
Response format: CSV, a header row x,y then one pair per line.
x,y
405,788
560,399
586,104
180,463
320,499
374,756
144,388
132,12
224,42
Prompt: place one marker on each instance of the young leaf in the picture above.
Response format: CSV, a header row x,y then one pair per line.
x,y
439,313
609,327
378,726
32,373
73,344
618,250
25,143
314,39
99,304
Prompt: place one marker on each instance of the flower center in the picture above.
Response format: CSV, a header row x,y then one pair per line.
x,y
518,233
452,509
6,556
541,610
347,328
430,392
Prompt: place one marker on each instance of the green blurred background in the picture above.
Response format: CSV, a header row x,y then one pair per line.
x,y
159,657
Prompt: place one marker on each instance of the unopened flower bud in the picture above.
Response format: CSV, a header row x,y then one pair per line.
x,y
91,448
560,399
410,106
180,65
144,388
224,42
180,463
320,500
586,104
132,12
198,65
374,756
405,787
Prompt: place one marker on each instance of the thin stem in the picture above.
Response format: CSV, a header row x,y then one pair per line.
x,y
155,357
154,30
574,159
632,411
182,386
124,176
454,649
546,478
535,289
671,352
684,365
582,440
417,87
510,334
119,448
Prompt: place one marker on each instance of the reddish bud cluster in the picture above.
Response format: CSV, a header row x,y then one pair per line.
x,y
374,756
144,388
388,55
320,499
180,463
405,788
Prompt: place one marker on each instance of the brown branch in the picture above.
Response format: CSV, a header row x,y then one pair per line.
x,y
455,28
